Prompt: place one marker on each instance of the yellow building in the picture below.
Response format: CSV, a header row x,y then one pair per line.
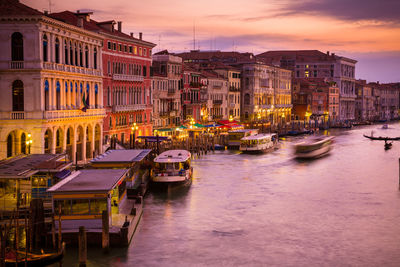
x,y
51,86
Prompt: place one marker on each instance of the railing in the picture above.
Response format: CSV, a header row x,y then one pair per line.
x,y
70,68
234,89
217,101
122,108
16,64
283,105
126,77
58,114
17,115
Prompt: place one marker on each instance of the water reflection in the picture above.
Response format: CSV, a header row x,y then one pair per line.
x,y
258,210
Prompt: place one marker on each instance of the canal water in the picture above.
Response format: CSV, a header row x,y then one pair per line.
x,y
273,210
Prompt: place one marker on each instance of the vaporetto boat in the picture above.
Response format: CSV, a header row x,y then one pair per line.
x,y
259,143
172,167
313,147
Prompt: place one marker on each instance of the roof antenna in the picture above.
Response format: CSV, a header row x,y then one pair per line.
x,y
194,35
50,6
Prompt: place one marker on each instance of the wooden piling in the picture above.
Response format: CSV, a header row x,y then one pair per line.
x,y
106,232
3,246
16,239
59,228
53,231
26,239
82,246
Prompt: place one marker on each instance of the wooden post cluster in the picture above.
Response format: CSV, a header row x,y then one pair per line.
x,y
82,246
106,232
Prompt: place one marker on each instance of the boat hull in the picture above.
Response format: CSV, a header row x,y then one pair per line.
x,y
315,153
173,180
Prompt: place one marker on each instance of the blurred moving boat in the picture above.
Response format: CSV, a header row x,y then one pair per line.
x,y
259,143
173,167
313,147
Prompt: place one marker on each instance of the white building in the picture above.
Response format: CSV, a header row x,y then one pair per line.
x,y
49,72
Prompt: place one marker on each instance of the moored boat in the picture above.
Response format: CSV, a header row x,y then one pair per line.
x,y
313,147
33,259
172,167
259,143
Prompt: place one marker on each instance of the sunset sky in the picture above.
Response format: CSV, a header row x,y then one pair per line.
x,y
365,30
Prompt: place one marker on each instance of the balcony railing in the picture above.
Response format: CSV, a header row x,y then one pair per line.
x,y
124,108
17,115
70,68
234,89
16,64
217,101
126,77
59,114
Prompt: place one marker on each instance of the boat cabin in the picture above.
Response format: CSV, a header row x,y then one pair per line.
x,y
172,162
235,136
258,139
27,177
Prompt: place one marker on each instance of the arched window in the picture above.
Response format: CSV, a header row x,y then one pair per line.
x,y
76,54
18,95
57,52
17,47
71,54
46,95
96,96
247,99
68,136
45,44
95,58
80,56
58,96
86,57
23,143
65,52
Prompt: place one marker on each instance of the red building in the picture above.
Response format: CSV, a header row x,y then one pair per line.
x,y
127,83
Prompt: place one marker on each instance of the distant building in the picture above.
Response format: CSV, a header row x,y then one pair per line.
x,y
310,64
190,94
167,85
386,100
217,92
51,85
365,110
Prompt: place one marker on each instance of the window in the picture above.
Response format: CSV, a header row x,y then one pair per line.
x,y
109,45
144,71
120,47
17,47
65,52
57,50
144,52
71,53
125,48
45,43
95,58
114,46
130,49
18,95
140,51
80,56
76,54
46,95
135,50
87,56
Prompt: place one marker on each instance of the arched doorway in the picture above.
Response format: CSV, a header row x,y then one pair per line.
x,y
59,141
89,140
23,144
97,138
17,47
10,144
70,141
48,141
79,143
18,95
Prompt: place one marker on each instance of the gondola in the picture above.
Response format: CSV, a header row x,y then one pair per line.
x,y
382,138
34,259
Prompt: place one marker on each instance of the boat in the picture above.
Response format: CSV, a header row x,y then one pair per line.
x,y
33,259
259,143
382,138
388,145
172,167
219,147
313,147
235,136
385,126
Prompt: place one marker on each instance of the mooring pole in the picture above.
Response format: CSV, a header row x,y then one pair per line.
x,y
82,246
105,232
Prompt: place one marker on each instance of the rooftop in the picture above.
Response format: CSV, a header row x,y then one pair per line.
x,y
122,156
99,180
15,8
26,165
173,156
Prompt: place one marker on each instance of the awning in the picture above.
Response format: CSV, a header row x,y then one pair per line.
x,y
198,125
212,125
164,130
62,174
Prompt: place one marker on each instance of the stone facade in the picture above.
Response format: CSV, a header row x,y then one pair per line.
x,y
51,87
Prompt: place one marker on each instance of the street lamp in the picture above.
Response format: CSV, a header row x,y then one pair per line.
x,y
132,136
29,143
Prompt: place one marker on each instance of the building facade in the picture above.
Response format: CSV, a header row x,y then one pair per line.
x,y
217,96
167,85
51,85
190,94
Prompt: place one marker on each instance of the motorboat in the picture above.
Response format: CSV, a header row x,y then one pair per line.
x,y
235,136
388,145
313,147
385,126
259,143
172,167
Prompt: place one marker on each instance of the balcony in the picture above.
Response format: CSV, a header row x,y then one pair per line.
x,y
70,68
16,64
60,114
234,89
217,101
195,85
124,108
126,77
283,106
171,90
17,115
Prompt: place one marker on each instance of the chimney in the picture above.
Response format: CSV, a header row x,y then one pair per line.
x,y
327,52
333,54
119,26
131,34
80,22
140,35
46,12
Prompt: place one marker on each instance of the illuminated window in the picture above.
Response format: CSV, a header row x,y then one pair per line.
x,y
307,74
140,51
135,50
